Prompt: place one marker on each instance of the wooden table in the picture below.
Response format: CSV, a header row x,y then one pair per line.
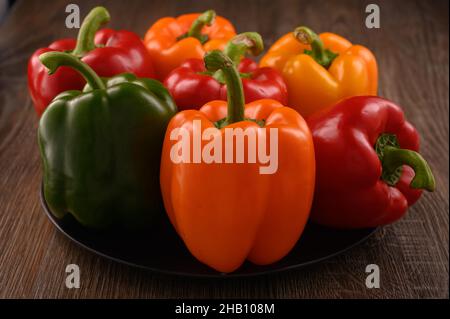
x,y
412,50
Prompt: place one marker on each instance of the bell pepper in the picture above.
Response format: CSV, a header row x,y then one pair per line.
x,y
191,86
108,52
229,212
101,148
321,70
171,41
368,166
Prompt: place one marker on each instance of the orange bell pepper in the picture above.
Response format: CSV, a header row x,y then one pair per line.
x,y
171,41
229,212
321,70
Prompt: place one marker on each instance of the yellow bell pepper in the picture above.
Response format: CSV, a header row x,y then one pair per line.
x,y
320,70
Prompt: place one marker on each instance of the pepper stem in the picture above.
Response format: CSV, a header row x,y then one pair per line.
x,y
242,43
238,46
318,52
217,60
53,60
393,158
206,18
396,157
85,41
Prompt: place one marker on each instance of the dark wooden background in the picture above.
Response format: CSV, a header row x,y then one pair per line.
x,y
412,50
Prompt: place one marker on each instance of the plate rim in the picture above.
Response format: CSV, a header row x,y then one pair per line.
x,y
218,275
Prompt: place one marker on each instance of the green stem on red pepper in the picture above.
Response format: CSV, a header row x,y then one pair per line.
x,y
318,52
242,43
217,60
237,47
393,157
93,21
53,60
195,31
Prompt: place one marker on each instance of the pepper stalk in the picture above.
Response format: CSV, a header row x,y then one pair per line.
x,y
237,47
207,18
91,23
216,60
318,52
393,158
54,59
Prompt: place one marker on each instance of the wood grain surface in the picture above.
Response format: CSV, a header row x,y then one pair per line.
x,y
412,50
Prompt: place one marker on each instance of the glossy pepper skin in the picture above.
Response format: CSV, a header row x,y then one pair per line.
x,y
101,148
368,168
229,212
171,41
321,70
191,85
107,51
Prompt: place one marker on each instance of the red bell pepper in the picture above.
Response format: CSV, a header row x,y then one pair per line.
x,y
368,168
192,86
108,52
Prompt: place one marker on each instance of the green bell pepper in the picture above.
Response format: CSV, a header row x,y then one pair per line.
x,y
101,148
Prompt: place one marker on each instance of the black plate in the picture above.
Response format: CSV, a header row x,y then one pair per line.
x,y
164,252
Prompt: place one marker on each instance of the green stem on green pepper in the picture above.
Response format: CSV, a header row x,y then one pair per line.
x,y
53,60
